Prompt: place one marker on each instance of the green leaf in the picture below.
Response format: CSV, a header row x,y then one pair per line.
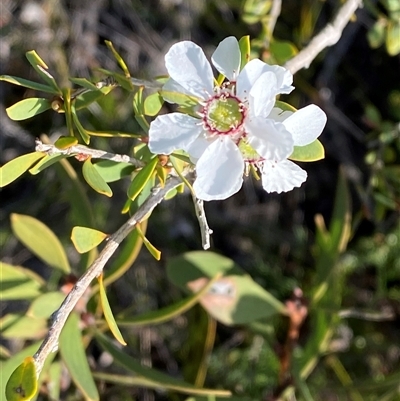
x,y
83,132
85,239
244,46
284,106
233,299
376,34
85,99
41,68
309,153
10,365
138,109
74,357
151,377
17,325
68,108
180,98
45,162
108,313
150,247
153,104
28,108
28,84
22,385
113,171
65,142
94,179
119,59
19,283
393,37
255,10
44,305
16,167
84,83
40,240
168,313
282,50
141,179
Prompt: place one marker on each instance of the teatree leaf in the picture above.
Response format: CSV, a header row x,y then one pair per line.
x,y
118,57
65,142
11,364
123,81
244,46
376,34
113,171
39,239
154,377
180,98
138,109
393,37
85,239
74,357
17,282
53,380
41,68
108,313
285,106
141,179
83,132
28,84
94,179
153,104
282,50
85,99
28,108
22,385
85,83
169,312
44,305
17,325
308,153
45,162
234,299
255,10
16,167
150,247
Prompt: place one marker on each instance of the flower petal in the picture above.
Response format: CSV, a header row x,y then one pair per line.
x,y
262,95
226,58
173,86
306,124
247,77
283,76
188,66
282,176
219,171
173,131
197,148
270,139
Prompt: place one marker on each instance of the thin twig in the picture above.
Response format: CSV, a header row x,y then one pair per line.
x,y
327,37
273,17
85,151
205,230
50,343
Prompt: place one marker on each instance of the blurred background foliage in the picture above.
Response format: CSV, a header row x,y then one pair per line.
x,y
330,249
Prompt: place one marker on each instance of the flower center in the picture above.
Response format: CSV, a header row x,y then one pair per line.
x,y
223,114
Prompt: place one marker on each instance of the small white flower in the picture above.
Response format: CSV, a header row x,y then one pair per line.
x,y
236,125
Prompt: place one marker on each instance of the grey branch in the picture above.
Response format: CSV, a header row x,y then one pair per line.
x,y
273,16
205,230
50,343
84,150
327,37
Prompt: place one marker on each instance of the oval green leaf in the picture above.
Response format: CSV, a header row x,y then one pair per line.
x,y
65,142
244,46
113,171
16,167
17,325
74,357
45,162
153,104
44,305
180,98
22,385
108,313
309,153
38,238
84,83
19,283
94,179
28,108
142,177
85,239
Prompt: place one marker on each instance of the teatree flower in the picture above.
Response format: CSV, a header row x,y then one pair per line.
x,y
236,125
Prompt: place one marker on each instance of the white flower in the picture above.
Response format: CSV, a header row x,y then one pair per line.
x,y
236,124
